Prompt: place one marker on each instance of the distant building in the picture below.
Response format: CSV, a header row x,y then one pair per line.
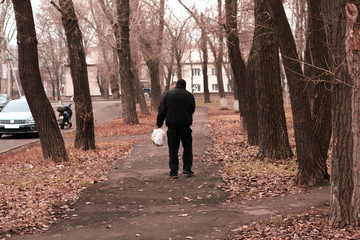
x,y
191,72
92,58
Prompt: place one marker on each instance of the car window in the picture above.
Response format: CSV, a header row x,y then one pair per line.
x,y
3,97
16,106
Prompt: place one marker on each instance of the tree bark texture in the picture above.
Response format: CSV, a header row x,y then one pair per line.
x,y
204,50
141,98
220,59
52,143
353,53
311,169
315,70
344,42
236,61
152,55
85,136
273,135
178,63
126,78
252,127
114,76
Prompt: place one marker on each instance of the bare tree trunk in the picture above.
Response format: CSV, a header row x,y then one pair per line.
x,y
154,67
52,143
237,63
152,58
311,169
273,135
114,77
85,136
344,196
204,50
316,65
178,66
220,60
127,80
140,94
252,125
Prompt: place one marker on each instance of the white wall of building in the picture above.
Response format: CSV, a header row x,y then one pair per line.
x,y
191,72
92,74
193,75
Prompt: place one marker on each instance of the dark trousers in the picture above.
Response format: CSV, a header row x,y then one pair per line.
x,y
175,135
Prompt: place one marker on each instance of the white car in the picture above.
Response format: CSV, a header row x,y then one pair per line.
x,y
4,99
16,118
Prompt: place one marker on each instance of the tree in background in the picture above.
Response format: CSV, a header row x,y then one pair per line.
x,y
216,46
127,80
175,44
204,50
236,61
311,167
52,143
52,49
151,41
274,140
317,78
85,136
6,35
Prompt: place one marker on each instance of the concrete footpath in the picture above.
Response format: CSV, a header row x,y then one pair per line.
x,y
140,201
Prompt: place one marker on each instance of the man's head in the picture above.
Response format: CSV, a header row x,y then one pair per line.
x,y
181,83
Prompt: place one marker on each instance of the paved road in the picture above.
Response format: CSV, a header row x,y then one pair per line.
x,y
103,111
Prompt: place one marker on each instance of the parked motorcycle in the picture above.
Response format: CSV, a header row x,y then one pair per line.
x,y
65,113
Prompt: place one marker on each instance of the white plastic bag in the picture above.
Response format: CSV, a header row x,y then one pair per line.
x,y
158,137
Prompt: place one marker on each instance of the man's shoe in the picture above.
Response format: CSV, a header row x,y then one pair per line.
x,y
173,175
189,173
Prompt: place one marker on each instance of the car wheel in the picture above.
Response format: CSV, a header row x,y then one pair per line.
x,y
0,135
146,94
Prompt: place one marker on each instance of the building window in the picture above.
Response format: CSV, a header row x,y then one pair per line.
x,y
195,71
196,87
229,88
213,71
215,87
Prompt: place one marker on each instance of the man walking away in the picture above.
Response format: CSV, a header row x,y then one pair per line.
x,y
177,106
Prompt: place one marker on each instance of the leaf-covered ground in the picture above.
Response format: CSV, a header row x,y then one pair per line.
x,y
33,190
248,177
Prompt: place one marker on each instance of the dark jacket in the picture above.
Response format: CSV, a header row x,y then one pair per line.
x,y
177,107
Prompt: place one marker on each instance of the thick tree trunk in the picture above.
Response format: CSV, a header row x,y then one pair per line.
x,y
85,136
317,60
311,169
52,143
273,135
153,66
127,80
344,197
237,63
252,127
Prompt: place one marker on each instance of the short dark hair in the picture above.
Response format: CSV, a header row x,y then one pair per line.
x,y
181,83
